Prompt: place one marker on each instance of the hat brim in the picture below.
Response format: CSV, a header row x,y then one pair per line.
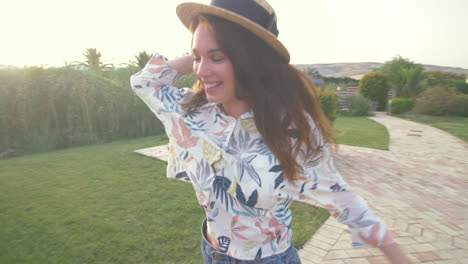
x,y
187,11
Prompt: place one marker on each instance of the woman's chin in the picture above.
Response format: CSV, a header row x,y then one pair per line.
x,y
212,99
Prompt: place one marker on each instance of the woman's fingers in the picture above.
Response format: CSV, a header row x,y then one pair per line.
x,y
388,240
373,239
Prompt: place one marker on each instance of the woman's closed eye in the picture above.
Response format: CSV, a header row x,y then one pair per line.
x,y
217,58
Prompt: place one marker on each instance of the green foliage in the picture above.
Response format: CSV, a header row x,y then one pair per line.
x,y
314,73
442,100
440,75
402,105
106,204
461,86
357,105
93,60
45,109
375,86
448,79
341,80
329,103
141,59
458,105
405,77
361,132
433,101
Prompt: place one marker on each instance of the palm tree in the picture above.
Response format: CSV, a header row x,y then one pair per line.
x,y
413,81
93,60
405,76
141,59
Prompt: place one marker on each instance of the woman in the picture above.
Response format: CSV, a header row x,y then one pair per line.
x,y
250,135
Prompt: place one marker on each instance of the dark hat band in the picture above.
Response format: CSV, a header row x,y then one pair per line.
x,y
250,10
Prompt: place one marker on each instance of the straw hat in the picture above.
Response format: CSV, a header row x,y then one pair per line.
x,y
257,16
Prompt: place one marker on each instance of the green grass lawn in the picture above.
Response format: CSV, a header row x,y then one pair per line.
x,y
361,132
106,204
455,125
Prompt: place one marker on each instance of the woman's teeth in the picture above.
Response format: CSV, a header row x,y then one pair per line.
x,y
211,85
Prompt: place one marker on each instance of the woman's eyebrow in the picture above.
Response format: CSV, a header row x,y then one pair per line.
x,y
209,51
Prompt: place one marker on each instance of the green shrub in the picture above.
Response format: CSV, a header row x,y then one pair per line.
x,y
357,105
375,86
458,105
329,103
435,100
462,86
402,105
448,79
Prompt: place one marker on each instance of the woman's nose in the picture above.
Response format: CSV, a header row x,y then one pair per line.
x,y
203,68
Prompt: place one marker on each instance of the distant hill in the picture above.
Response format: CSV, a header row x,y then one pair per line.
x,y
359,69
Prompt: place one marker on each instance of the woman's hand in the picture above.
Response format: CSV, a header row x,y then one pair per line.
x,y
391,249
374,238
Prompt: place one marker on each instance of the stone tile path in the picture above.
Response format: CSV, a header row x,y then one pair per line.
x,y
419,187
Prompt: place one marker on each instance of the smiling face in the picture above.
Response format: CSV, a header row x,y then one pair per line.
x,y
214,70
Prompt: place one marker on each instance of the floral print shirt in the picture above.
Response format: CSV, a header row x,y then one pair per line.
x,y
237,180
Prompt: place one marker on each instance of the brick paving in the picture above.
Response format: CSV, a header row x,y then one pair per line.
x,y
419,187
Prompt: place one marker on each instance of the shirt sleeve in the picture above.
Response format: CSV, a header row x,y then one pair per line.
x,y
153,84
323,183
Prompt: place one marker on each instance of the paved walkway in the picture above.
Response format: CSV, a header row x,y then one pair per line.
x,y
419,187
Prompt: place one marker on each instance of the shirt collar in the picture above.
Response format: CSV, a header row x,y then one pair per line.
x,y
246,115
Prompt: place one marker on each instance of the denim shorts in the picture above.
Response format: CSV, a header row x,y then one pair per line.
x,y
212,256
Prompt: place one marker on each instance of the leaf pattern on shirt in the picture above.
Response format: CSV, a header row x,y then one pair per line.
x,y
249,125
244,166
284,212
250,212
169,99
157,60
259,254
196,125
272,231
337,188
311,159
220,186
236,229
358,221
280,178
183,135
210,153
241,197
202,179
192,114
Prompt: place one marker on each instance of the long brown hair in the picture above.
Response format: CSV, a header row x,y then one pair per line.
x,y
280,96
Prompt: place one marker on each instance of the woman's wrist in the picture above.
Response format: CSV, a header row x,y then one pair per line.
x,y
182,64
394,254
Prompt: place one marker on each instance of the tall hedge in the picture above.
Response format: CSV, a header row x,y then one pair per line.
x,y
44,109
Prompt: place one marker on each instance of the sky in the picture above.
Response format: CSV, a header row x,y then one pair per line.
x,y
52,32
